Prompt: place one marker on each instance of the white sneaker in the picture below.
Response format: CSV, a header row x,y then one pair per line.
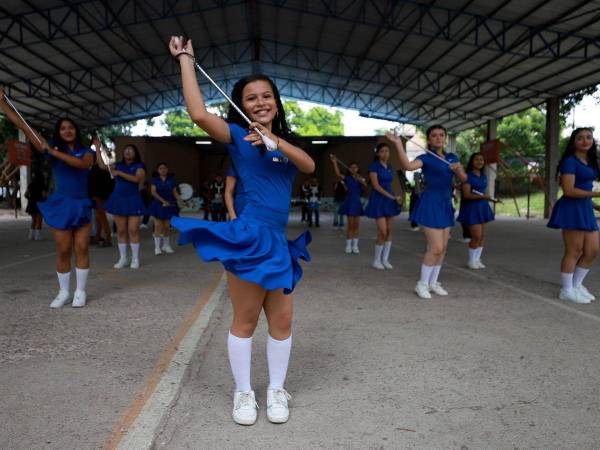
x,y
122,262
30,235
168,249
585,293
387,265
277,405
355,250
480,264
377,265
437,288
348,249
573,295
143,226
37,236
135,263
157,251
473,265
60,300
79,299
244,408
422,289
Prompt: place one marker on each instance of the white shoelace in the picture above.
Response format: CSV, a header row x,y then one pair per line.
x,y
280,397
245,401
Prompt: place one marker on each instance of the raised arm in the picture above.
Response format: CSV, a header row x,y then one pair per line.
x,y
230,183
16,120
336,168
214,125
405,163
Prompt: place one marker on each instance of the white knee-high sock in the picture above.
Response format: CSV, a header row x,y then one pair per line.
x,y
479,251
240,357
579,275
566,280
426,273
377,254
387,246
278,358
81,275
166,240
135,250
355,242
435,273
472,254
64,280
122,251
157,240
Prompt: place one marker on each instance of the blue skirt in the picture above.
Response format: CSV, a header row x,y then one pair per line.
x,y
125,205
380,206
573,214
66,213
351,207
434,210
252,247
160,212
475,212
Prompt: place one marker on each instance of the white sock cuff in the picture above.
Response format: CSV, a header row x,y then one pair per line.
x,y
426,273
566,280
63,280
579,275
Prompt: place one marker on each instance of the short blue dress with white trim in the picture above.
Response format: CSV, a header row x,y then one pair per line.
x,y
434,207
570,213
352,205
254,246
475,212
380,205
164,188
69,206
126,199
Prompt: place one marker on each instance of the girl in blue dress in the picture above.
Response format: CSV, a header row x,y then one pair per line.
x,y
163,207
475,211
383,205
126,204
351,206
433,210
68,210
262,266
573,213
235,197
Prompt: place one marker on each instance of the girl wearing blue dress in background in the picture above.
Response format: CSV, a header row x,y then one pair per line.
x,y
235,197
126,204
262,266
433,210
383,205
163,207
68,210
351,206
475,211
573,213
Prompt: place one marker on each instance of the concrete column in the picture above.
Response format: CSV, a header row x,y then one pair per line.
x,y
552,152
491,170
24,177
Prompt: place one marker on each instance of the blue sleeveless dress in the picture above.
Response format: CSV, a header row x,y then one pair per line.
x,y
126,200
570,213
434,207
165,190
351,206
379,205
239,200
69,206
474,212
254,246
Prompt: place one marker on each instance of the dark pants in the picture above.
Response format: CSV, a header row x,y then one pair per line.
x,y
313,208
304,212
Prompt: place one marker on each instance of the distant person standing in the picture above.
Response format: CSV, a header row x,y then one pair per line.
x,y
339,195
36,192
100,186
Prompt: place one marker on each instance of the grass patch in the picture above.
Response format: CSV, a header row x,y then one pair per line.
x,y
508,207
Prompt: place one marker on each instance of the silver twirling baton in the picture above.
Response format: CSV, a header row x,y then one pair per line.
x,y
344,166
269,143
494,199
21,117
107,155
426,149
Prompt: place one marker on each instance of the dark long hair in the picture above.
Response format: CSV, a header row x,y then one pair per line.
x,y
378,148
280,125
435,127
470,163
162,163
58,141
592,154
137,158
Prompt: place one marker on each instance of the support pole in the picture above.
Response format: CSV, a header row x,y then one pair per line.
x,y
552,135
491,170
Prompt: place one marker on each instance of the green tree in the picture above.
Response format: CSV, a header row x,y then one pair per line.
x,y
468,141
117,129
179,123
317,121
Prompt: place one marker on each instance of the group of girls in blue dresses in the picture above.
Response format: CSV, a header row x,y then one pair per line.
x,y
351,207
262,266
573,213
68,210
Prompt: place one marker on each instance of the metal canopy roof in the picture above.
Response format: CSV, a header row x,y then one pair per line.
x,y
457,62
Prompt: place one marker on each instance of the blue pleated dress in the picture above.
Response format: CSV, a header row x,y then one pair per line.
x,y
352,206
69,206
164,188
254,246
379,205
126,200
475,212
434,207
240,197
570,213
